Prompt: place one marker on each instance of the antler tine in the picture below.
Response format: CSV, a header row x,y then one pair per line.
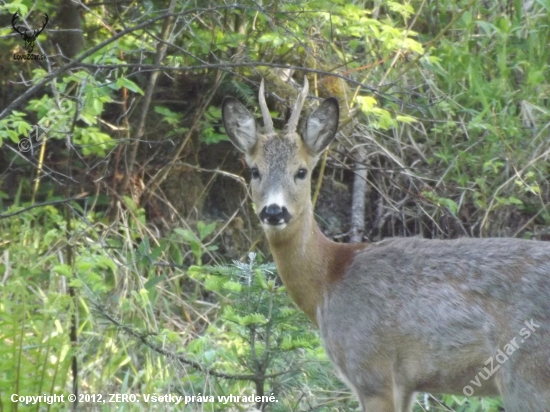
x,y
295,116
46,19
268,122
14,22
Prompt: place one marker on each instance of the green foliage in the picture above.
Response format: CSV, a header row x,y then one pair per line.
x,y
173,119
259,340
169,116
453,96
92,141
37,308
54,120
195,241
471,404
35,351
209,135
260,334
14,126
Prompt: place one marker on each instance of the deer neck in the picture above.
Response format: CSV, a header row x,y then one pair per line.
x,y
308,262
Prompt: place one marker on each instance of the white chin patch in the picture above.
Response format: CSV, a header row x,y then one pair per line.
x,y
279,226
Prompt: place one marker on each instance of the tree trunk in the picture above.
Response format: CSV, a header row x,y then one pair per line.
x,y
358,198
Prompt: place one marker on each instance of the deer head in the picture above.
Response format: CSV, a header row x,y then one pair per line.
x,y
28,35
281,163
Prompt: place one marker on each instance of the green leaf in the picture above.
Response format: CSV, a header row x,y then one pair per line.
x,y
150,284
170,117
128,84
214,283
63,269
205,229
405,119
232,286
195,271
187,235
255,318
366,103
449,204
260,279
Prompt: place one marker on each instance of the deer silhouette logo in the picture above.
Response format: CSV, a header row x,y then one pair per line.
x,y
28,35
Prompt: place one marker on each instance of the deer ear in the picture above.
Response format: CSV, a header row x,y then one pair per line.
x,y
239,124
321,126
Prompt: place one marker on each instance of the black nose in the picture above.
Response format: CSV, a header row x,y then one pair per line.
x,y
273,214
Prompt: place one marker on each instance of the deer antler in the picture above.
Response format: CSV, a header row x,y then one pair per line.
x,y
23,33
268,122
295,116
14,21
37,32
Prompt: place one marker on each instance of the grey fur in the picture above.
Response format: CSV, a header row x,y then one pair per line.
x,y
436,311
403,315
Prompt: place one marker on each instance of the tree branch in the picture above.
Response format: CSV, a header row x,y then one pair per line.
x,y
144,339
53,202
78,61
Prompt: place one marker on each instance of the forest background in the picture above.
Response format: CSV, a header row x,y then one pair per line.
x,y
131,259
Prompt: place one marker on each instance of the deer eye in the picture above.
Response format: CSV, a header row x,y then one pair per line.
x,y
255,173
302,173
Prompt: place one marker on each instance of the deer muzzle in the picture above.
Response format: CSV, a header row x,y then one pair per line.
x,y
275,215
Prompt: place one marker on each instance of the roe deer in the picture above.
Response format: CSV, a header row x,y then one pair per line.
x,y
402,315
